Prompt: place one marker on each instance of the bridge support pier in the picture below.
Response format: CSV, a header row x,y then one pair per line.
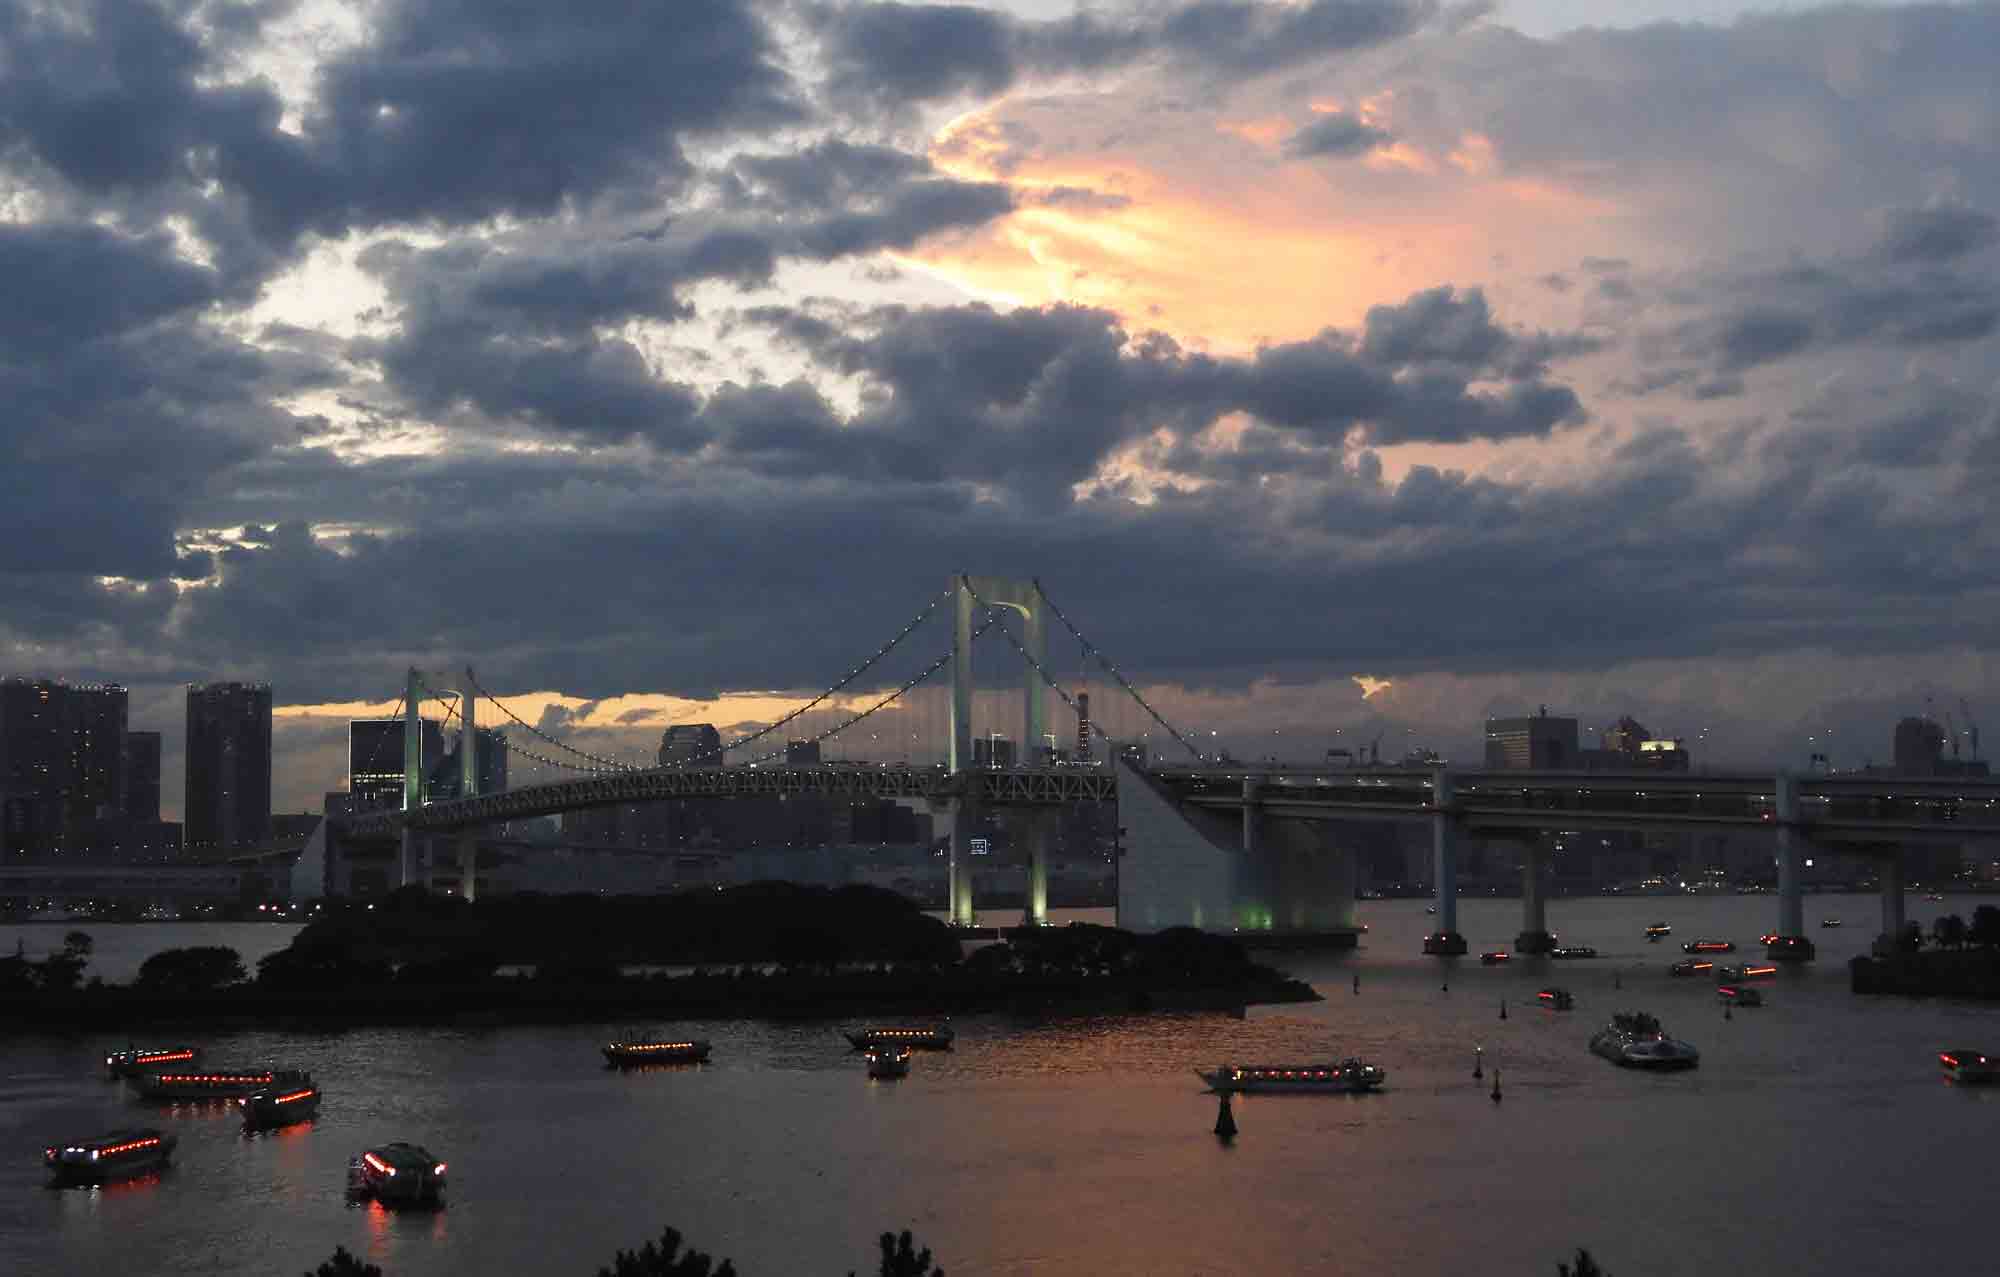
x,y
406,858
1445,939
1791,943
1891,876
1035,908
962,823
1535,935
468,864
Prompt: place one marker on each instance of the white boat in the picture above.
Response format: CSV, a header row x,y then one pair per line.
x,y
281,1105
1634,1039
1350,1076
888,1061
1970,1067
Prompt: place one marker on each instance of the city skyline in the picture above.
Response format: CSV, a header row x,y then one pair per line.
x,y
1345,368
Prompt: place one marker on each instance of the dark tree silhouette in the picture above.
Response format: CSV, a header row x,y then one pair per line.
x,y
344,1265
1985,931
201,969
1582,1266
1948,932
664,1259
901,1258
79,943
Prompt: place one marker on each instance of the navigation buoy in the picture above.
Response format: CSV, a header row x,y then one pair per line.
x,y
1225,1121
1503,1008
1478,1059
1496,1084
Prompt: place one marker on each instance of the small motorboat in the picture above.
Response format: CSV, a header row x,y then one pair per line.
x,y
936,1037
1658,931
888,1061
215,1084
644,1051
1829,922
1745,971
1972,1068
1573,951
1430,909
1494,957
1350,1076
1444,943
134,1061
281,1106
1789,949
1710,946
119,1155
1739,995
1556,999
1634,1040
397,1175
1690,966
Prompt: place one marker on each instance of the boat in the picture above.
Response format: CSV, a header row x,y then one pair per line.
x,y
1789,949
1573,951
642,1051
1658,931
888,1061
1556,999
1739,995
281,1105
136,1060
118,1155
1709,946
1430,909
1935,896
1829,922
916,1037
1746,971
1444,943
1690,966
1350,1076
397,1175
1495,957
1634,1040
1973,1068
215,1084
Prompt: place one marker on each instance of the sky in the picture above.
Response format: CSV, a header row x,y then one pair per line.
x,y
1345,369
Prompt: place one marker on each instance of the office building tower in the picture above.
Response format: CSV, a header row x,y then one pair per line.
x,y
691,745
94,722
228,767
1540,742
446,779
142,777
34,766
375,760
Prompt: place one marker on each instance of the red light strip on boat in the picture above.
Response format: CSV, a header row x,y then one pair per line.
x,y
234,1079
161,1057
378,1163
116,1149
295,1095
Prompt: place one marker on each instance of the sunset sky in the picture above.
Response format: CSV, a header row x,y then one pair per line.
x,y
1343,367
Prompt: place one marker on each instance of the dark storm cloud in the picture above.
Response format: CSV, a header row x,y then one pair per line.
x,y
892,55
1937,234
449,110
1334,133
72,284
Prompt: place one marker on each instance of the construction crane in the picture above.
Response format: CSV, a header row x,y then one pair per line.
x,y
1971,728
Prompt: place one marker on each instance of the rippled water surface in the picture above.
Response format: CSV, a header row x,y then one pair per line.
x,y
1816,1137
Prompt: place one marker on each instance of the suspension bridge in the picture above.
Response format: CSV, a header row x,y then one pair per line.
x,y
1209,843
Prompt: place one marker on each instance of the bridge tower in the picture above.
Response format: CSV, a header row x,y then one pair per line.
x,y
468,785
1026,598
413,771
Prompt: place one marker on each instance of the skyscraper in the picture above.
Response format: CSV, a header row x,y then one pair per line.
x,y
94,721
142,776
228,766
375,759
34,765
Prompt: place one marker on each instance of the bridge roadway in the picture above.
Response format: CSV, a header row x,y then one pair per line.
x,y
1875,814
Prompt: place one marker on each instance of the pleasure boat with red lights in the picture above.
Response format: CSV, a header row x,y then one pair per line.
x,y
936,1037
1746,971
1494,957
1973,1068
1658,931
1690,966
1709,946
1573,951
888,1061
1556,999
1635,1040
1739,995
119,1155
281,1105
134,1061
215,1084
1350,1076
397,1175
643,1051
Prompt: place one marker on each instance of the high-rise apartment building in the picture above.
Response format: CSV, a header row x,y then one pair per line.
x,y
94,719
228,766
1540,742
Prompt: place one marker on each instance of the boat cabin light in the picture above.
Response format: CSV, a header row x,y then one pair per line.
x,y
378,1164
438,1169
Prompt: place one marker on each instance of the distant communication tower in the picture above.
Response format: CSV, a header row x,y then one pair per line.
x,y
1083,755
